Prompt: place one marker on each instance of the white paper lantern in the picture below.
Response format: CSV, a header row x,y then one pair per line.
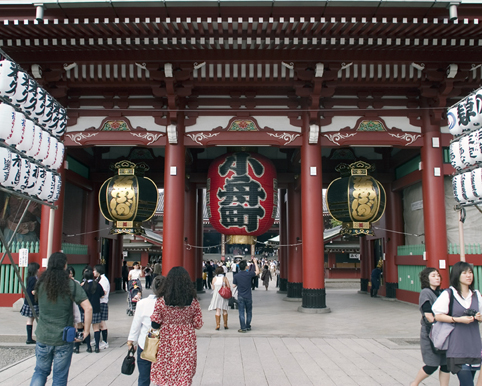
x,y
475,146
8,78
37,189
14,174
467,189
465,152
455,159
7,118
454,126
18,129
59,157
27,139
5,164
48,111
21,91
52,153
29,106
40,105
24,174
44,145
48,188
477,182
35,148
58,187
32,179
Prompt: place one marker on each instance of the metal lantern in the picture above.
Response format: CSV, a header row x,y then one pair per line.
x,y
242,193
128,198
356,199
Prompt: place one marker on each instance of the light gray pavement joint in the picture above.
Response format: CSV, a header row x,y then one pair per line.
x,y
363,341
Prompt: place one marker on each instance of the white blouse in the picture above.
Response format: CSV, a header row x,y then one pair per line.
x,y
441,305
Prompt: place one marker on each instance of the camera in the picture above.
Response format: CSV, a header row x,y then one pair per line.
x,y
470,312
79,335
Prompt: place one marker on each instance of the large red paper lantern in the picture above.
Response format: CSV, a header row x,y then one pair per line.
x,y
242,193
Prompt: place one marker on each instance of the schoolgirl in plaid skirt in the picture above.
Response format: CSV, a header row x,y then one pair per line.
x,y
26,309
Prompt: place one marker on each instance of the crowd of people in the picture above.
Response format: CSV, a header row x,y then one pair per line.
x,y
173,313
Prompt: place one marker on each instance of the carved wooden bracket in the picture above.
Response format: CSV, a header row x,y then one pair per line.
x,y
115,131
371,132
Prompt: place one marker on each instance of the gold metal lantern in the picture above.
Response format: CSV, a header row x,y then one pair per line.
x,y
128,198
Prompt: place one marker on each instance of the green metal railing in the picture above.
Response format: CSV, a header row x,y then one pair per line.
x,y
453,249
75,249
9,283
32,246
408,277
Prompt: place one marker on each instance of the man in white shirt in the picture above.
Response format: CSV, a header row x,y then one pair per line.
x,y
99,274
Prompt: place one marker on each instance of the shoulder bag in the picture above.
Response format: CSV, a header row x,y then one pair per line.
x,y
129,363
440,331
225,291
151,345
68,334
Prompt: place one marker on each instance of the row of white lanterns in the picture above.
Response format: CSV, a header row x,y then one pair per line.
x,y
24,93
465,124
466,151
468,186
16,130
19,174
466,116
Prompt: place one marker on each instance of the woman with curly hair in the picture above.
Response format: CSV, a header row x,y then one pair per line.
x,y
176,315
430,282
55,293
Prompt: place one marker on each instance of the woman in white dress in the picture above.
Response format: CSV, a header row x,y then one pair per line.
x,y
218,303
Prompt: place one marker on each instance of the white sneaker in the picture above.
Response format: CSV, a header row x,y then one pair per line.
x,y
103,345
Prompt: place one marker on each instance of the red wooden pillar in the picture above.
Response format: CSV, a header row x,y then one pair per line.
x,y
91,225
314,296
283,241
173,224
394,220
59,215
144,259
434,197
295,259
364,265
199,240
190,231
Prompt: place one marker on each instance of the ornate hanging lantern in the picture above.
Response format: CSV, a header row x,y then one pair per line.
x,y
356,199
128,198
242,194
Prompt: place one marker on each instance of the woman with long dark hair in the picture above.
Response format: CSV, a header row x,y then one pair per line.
x,y
55,293
463,353
176,314
32,272
430,282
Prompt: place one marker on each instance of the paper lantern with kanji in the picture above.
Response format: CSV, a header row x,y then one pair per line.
x,y
128,198
356,199
242,193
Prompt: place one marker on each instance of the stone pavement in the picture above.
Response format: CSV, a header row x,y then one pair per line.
x,y
363,341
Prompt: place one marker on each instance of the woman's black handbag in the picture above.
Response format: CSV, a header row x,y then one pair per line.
x,y
129,363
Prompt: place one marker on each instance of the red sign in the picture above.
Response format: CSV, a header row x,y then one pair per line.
x,y
242,194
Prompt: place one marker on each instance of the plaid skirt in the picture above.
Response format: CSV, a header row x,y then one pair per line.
x,y
104,311
27,311
95,318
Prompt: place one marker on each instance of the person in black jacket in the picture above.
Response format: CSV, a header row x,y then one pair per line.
x,y
94,292
26,310
125,275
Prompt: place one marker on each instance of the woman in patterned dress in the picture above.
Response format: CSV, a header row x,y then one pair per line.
x,y
218,303
176,314
26,309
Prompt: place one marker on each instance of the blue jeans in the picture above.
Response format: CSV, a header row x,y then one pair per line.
x,y
243,304
144,368
61,357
